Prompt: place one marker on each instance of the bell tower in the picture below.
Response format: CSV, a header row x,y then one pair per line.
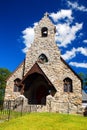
x,y
44,46
45,29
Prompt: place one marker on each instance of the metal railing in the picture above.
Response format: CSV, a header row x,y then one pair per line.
x,y
14,108
7,109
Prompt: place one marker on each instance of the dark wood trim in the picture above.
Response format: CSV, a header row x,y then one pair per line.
x,y
36,69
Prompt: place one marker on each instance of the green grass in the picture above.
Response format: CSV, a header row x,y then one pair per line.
x,y
46,121
5,113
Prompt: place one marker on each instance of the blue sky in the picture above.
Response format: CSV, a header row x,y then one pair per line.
x,y
19,17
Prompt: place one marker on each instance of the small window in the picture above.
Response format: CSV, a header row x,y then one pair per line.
x,y
44,32
42,58
16,88
68,85
16,85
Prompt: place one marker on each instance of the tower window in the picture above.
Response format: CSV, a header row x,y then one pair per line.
x,y
42,58
68,85
44,32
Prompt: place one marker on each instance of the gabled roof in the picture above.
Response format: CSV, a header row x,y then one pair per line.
x,y
36,69
23,63
46,18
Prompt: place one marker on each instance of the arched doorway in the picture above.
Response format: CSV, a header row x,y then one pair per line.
x,y
37,88
41,94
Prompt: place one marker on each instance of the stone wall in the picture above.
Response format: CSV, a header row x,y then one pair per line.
x,y
9,91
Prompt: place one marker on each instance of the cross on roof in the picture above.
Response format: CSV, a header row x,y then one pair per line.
x,y
46,14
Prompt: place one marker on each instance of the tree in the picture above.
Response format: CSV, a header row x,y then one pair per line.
x,y
4,73
84,78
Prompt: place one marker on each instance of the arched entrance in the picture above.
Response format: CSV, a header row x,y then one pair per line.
x,y
36,89
41,94
37,86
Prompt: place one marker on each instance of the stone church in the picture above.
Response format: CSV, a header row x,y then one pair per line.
x,y
44,78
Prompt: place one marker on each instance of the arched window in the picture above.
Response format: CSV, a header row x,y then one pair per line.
x,y
42,58
16,85
44,32
68,85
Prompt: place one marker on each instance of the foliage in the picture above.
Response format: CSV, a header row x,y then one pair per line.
x,y
46,121
6,114
4,73
84,78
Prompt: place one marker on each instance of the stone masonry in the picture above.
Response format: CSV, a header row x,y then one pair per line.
x,y
55,69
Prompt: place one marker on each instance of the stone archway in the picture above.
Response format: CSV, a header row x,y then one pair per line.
x,y
37,85
36,89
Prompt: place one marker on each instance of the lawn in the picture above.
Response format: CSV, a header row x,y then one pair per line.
x,y
46,121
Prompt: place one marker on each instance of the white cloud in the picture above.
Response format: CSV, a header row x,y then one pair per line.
x,y
66,34
76,64
62,15
69,54
72,53
35,24
85,41
76,6
82,50
28,36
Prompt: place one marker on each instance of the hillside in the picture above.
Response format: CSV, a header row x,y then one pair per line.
x,y
46,121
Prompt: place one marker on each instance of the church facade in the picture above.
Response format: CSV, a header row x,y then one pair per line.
x,y
44,77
